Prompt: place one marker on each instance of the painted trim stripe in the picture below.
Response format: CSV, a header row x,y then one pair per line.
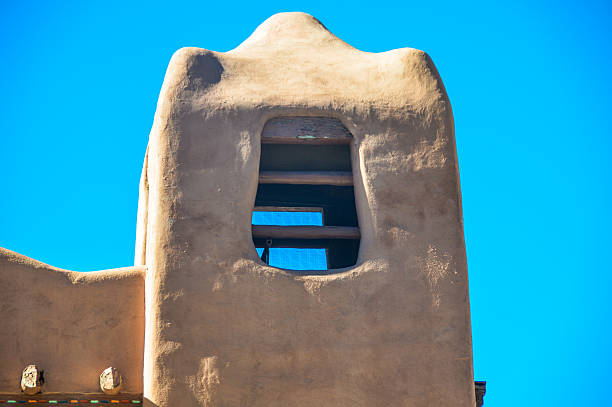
x,y
71,401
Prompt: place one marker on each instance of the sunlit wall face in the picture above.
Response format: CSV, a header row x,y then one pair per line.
x,y
529,84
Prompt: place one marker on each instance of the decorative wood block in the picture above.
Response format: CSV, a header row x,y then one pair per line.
x,y
32,380
111,381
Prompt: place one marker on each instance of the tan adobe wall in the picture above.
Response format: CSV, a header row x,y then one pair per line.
x,y
72,325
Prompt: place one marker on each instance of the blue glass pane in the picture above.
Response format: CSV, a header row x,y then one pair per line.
x,y
297,259
287,218
290,258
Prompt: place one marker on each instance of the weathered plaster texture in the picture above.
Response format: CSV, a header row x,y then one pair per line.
x,y
224,329
71,325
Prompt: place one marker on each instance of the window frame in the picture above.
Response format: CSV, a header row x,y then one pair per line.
x,y
322,164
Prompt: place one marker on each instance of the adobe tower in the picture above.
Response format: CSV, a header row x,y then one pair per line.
x,y
293,119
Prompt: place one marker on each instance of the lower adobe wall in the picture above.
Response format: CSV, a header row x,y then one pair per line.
x,y
70,324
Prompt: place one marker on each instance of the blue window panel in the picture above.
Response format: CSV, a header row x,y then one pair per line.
x,y
297,259
292,258
287,218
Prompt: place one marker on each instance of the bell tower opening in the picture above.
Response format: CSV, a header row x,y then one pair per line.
x,y
305,216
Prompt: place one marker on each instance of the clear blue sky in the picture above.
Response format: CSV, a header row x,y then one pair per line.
x,y
530,87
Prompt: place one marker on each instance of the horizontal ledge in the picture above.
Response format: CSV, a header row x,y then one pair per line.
x,y
268,208
305,232
338,178
311,140
279,243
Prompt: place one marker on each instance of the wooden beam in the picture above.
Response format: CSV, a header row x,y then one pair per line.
x,y
305,130
260,243
337,178
305,232
308,141
288,209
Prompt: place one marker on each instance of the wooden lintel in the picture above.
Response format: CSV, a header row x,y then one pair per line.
x,y
305,130
305,232
337,178
305,140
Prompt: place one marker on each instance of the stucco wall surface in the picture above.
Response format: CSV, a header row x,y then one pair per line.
x,y
223,328
72,325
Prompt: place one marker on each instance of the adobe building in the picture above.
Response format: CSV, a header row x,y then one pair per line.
x,y
292,120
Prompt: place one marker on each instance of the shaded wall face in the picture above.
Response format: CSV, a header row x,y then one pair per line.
x,y
225,329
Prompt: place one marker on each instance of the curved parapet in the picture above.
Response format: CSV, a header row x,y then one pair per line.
x,y
70,324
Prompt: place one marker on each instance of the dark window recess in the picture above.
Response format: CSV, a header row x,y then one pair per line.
x,y
305,164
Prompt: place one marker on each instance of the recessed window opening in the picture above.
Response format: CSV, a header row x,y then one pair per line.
x,y
305,216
